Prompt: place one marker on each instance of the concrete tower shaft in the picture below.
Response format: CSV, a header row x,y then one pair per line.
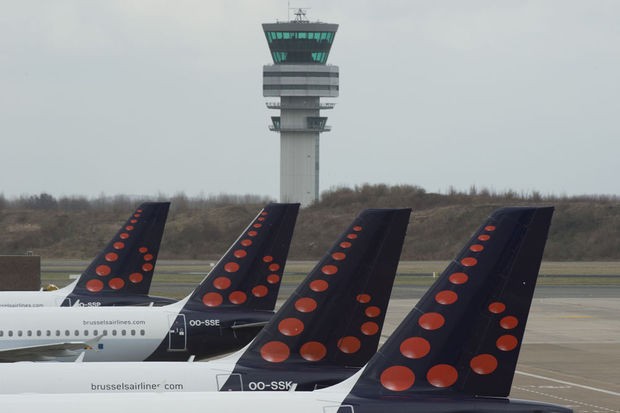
x,y
299,76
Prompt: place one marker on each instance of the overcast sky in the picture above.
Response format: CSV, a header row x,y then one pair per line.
x,y
147,97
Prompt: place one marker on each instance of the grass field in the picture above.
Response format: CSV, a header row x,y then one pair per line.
x,y
176,278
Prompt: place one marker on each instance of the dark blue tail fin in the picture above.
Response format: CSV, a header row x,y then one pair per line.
x,y
248,276
464,335
335,316
125,266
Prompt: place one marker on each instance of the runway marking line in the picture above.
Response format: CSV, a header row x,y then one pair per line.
x,y
536,376
564,399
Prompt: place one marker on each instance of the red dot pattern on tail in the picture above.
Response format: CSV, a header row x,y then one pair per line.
x,y
260,291
431,321
446,297
329,269
372,311
116,283
319,286
458,278
483,364
273,278
305,305
497,308
231,267
224,282
349,344
401,378
369,328
364,298
415,347
507,342
275,352
469,261
94,285
212,299
136,277
313,351
442,375
291,326
103,270
237,297
509,322
397,378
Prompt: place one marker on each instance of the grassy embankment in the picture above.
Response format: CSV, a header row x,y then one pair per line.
x,y
177,278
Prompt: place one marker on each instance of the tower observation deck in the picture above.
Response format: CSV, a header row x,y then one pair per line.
x,y
300,77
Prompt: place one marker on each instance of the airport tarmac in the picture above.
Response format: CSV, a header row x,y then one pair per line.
x,y
571,350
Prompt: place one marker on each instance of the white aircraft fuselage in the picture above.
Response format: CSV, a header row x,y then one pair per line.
x,y
34,299
169,332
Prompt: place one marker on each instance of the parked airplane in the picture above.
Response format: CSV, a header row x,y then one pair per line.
x,y
223,314
120,275
455,352
329,327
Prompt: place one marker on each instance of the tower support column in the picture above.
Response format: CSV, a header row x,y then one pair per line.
x,y
300,77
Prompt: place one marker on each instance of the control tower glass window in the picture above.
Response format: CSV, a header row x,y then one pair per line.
x,y
300,46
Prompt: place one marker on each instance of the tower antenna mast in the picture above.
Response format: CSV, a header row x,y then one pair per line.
x,y
300,14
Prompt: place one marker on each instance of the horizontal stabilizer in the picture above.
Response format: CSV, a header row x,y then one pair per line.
x,y
250,325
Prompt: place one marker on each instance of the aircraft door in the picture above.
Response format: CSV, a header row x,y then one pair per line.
x,y
177,333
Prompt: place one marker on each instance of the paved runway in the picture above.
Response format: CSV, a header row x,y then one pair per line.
x,y
571,350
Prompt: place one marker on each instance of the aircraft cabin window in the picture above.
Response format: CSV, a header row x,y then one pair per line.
x,y
1,333
67,333
95,332
38,333
77,333
19,333
133,332
29,333
113,332
10,333
123,332
48,332
58,332
142,332
85,332
105,332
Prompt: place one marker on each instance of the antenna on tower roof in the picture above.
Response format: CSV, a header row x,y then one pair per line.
x,y
300,14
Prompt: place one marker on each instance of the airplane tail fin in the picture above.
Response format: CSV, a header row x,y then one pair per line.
x,y
126,264
336,314
464,335
248,275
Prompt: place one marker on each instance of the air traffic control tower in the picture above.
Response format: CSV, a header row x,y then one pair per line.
x,y
300,77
